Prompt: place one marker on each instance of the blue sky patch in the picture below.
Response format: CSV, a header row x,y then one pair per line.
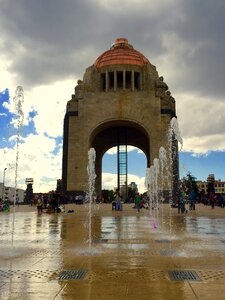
x,y
7,129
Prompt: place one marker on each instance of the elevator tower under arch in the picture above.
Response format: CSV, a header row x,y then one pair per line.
x,y
121,91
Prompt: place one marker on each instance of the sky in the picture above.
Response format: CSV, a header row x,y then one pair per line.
x,y
45,47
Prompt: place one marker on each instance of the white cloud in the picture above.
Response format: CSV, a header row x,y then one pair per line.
x,y
113,150
50,103
35,151
201,123
205,144
109,181
35,160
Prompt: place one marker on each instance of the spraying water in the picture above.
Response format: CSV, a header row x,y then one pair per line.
x,y
91,190
162,160
163,182
163,163
18,100
174,138
174,132
150,180
162,174
156,184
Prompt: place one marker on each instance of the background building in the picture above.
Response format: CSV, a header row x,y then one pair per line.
x,y
9,193
212,184
133,187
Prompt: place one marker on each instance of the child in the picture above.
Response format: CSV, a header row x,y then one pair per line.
x,y
39,205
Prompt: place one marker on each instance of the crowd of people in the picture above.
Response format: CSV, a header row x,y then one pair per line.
x,y
187,201
54,202
139,201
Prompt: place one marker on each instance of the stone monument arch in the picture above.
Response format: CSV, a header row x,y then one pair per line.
x,y
121,98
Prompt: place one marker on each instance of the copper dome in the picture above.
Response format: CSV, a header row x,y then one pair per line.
x,y
121,53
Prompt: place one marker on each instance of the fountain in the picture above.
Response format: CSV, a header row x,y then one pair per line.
x,y
163,174
89,201
163,168
163,182
90,193
174,138
152,188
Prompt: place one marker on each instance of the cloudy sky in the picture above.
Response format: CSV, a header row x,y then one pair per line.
x,y
46,45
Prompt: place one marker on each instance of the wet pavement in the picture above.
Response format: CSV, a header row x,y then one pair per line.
x,y
132,256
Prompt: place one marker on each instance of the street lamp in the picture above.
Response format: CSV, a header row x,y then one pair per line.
x,y
3,184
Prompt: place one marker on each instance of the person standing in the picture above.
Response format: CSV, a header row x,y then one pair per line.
x,y
192,199
118,200
211,200
222,200
183,202
179,205
39,204
138,202
17,202
55,202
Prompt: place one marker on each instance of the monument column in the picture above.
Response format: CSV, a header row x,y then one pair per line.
x,y
124,80
106,81
115,81
132,80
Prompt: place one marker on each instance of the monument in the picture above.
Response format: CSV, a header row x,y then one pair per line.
x,y
120,101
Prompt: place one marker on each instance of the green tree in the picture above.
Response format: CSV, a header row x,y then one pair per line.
x,y
107,194
188,183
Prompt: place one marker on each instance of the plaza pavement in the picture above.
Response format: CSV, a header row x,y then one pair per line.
x,y
132,256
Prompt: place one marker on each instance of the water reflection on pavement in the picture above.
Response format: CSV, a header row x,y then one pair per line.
x,y
127,250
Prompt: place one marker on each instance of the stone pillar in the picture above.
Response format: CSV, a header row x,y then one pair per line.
x,y
124,80
140,78
106,81
115,81
132,80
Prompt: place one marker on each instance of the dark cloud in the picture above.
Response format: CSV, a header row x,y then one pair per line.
x,y
52,40
203,29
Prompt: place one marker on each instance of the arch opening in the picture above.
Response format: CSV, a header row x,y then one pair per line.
x,y
105,136
137,163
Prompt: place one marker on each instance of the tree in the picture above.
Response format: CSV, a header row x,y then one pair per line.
x,y
188,183
131,193
107,194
